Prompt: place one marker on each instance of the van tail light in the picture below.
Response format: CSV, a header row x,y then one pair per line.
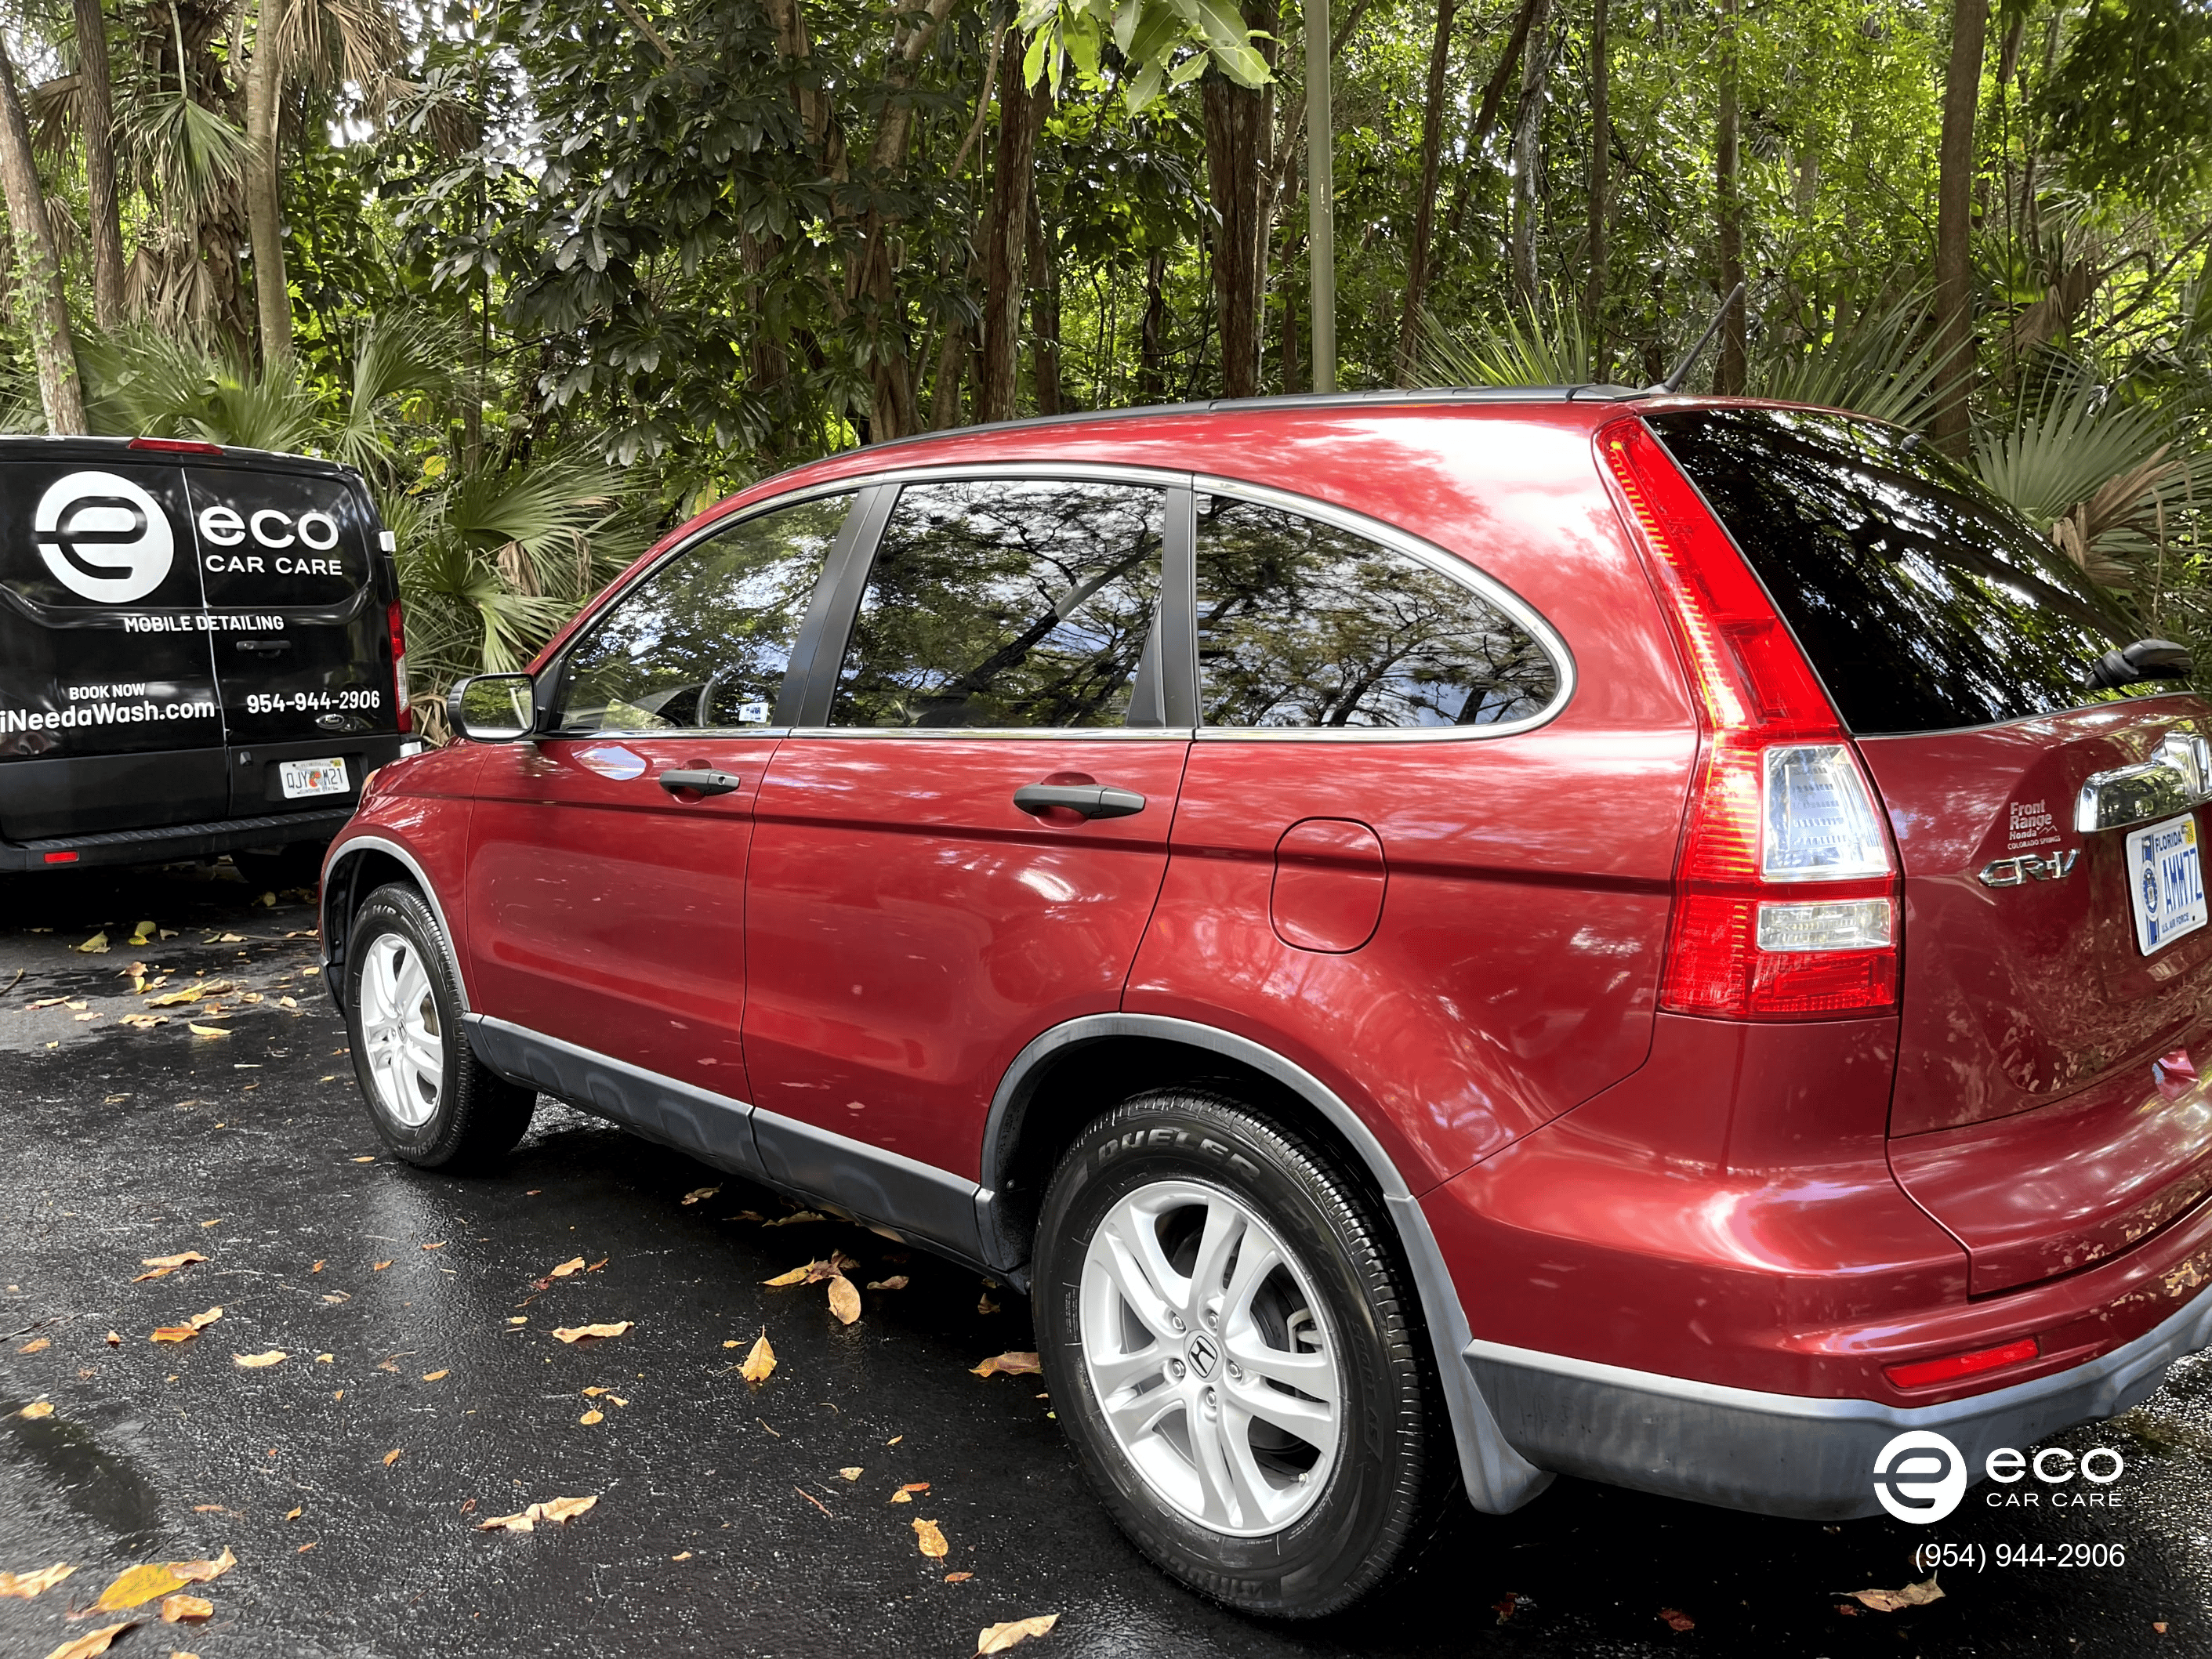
x,y
175,447
1786,900
406,715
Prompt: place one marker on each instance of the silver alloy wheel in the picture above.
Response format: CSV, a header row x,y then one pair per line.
x,y
1214,1364
399,1027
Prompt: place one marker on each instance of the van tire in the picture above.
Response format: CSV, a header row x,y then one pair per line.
x,y
1311,1533
432,1102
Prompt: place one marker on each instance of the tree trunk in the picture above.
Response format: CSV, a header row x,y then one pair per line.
x,y
1044,308
98,95
1288,351
1601,184
265,94
1493,98
1021,113
1240,128
1151,334
1954,205
952,366
1425,215
1728,371
1529,153
38,275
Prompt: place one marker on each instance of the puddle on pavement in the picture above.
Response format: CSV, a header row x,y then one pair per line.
x,y
67,1460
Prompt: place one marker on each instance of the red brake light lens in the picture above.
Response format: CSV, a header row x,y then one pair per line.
x,y
175,447
69,857
1785,891
1927,1373
405,714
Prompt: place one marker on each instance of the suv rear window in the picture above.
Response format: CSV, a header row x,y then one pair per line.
x,y
1924,603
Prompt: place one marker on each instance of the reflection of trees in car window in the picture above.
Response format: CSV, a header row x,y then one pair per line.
x,y
704,641
1005,603
1303,624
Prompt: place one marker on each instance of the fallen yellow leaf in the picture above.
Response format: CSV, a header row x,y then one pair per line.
x,y
957,1577
293,1514
905,1494
96,946
205,1030
255,1362
201,1572
562,1510
36,1345
37,1409
1889,1600
1009,1365
594,1415
163,1266
573,1265
844,1300
392,1456
796,1276
115,1338
896,1282
581,1333
176,1609
378,1266
760,1361
932,1541
984,1305
145,1022
25,1585
853,1473
92,1645
435,1377
795,1218
370,1160
698,1192
144,933
439,1245
998,1637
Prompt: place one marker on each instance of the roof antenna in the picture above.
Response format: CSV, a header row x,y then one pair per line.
x,y
1674,381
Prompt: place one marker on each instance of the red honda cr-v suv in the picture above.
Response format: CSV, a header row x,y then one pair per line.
x,y
1639,937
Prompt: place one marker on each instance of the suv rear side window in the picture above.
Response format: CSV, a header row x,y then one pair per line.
x,y
1924,603
703,641
1003,603
1302,624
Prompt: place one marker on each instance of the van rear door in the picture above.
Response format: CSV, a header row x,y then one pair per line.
x,y
110,716
299,593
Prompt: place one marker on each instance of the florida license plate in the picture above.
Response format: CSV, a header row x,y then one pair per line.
x,y
313,777
2165,882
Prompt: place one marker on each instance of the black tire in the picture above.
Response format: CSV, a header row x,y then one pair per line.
x,y
1380,1489
476,1116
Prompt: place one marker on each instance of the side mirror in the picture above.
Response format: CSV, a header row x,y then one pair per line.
x,y
492,707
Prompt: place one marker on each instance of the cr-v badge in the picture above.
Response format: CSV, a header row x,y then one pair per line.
x,y
104,537
2011,872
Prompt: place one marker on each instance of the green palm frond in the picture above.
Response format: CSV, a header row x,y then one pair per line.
x,y
1540,345
192,150
1887,365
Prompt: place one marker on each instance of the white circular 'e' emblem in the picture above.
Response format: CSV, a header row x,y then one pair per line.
x,y
103,537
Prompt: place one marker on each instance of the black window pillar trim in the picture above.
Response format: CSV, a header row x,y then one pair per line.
x,y
1178,607
810,684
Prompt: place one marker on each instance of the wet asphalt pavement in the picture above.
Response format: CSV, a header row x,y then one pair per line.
x,y
422,1390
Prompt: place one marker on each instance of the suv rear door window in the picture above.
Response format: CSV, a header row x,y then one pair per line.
x,y
1006,603
1304,624
1924,603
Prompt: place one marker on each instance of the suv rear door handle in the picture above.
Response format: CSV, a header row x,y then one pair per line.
x,y
1093,800
703,781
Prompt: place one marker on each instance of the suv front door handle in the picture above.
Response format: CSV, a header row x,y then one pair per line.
x,y
701,781
1093,800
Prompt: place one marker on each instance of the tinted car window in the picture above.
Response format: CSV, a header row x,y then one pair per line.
x,y
1301,623
1007,603
1922,602
703,641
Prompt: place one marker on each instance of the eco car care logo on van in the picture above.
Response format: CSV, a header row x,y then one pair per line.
x,y
298,544
1920,1476
104,537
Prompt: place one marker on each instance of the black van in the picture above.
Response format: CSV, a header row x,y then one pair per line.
x,y
200,651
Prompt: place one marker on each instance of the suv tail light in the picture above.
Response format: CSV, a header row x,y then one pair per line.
x,y
405,714
1786,900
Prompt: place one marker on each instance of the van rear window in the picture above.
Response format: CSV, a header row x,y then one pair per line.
x,y
1922,602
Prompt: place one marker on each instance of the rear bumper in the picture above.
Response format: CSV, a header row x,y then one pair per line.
x,y
1788,1455
173,841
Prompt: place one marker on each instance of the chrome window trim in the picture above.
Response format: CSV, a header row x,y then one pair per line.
x,y
1165,480
857,489
1446,564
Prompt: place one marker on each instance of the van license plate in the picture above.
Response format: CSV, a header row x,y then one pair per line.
x,y
327,777
2165,882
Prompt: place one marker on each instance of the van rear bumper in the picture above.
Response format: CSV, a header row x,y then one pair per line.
x,y
1790,1455
171,841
